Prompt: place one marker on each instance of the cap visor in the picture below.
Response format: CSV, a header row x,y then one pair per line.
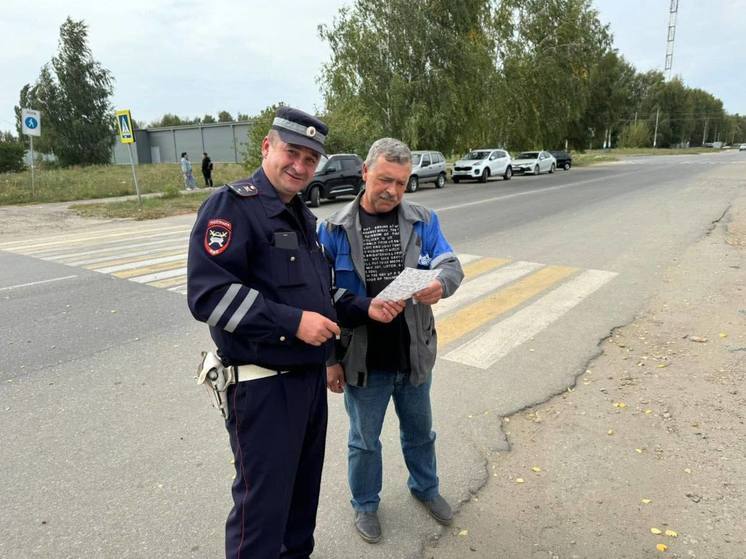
x,y
292,138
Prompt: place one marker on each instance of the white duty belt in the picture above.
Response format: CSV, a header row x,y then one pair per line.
x,y
255,372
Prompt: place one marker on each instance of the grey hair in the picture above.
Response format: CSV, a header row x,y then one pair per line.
x,y
392,150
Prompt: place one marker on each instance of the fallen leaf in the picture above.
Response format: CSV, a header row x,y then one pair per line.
x,y
655,531
687,470
638,450
536,469
610,432
663,365
648,412
519,480
463,533
661,547
672,533
646,501
620,405
723,335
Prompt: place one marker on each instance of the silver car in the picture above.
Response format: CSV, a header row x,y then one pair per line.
x,y
535,162
427,166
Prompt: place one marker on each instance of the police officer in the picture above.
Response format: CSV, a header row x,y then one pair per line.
x,y
258,277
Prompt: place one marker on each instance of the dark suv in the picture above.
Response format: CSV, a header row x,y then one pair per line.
x,y
564,159
341,173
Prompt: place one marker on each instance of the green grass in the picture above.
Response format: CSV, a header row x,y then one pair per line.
x,y
102,181
152,207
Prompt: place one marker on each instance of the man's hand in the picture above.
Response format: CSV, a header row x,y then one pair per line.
x,y
385,311
335,378
431,294
315,328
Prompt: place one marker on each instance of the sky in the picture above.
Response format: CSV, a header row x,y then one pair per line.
x,y
194,57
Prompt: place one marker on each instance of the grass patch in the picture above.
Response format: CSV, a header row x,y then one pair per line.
x,y
152,207
102,181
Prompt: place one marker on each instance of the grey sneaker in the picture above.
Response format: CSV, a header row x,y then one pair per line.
x,y
440,510
367,526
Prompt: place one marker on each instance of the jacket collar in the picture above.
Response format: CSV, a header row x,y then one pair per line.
x,y
273,206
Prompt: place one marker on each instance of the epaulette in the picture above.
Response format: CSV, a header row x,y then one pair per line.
x,y
243,189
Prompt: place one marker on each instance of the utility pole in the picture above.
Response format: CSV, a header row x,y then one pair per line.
x,y
671,36
704,133
655,134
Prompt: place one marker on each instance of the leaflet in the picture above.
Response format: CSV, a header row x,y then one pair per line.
x,y
406,284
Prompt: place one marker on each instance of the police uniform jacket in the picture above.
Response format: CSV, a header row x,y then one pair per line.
x,y
254,266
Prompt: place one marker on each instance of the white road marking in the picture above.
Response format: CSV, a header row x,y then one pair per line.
x,y
75,255
499,340
481,285
36,283
140,264
160,275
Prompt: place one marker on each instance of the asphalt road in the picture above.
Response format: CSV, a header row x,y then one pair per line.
x,y
110,450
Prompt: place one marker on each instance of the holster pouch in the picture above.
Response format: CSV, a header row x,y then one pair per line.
x,y
216,378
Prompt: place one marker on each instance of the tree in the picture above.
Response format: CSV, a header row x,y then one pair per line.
x,y
12,152
73,93
224,116
208,119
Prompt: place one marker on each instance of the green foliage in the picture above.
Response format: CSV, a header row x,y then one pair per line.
x,y
257,132
171,191
11,154
73,92
224,116
635,135
208,119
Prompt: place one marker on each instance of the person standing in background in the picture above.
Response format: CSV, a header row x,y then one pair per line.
x,y
207,169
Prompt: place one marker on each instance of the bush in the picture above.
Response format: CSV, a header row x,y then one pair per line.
x,y
11,157
171,191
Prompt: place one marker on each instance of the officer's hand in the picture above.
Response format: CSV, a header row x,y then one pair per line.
x,y
315,328
385,311
335,378
431,294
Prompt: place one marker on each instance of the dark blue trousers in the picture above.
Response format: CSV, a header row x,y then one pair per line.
x,y
277,430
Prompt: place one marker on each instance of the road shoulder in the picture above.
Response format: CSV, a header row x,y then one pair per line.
x,y
649,440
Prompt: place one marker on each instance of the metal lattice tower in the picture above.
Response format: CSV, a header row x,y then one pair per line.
x,y
671,35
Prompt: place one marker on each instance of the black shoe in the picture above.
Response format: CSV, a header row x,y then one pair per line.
x,y
367,526
439,509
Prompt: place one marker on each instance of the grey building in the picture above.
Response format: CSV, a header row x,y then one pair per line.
x,y
226,142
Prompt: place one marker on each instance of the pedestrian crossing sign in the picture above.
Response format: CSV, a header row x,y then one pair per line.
x,y
124,124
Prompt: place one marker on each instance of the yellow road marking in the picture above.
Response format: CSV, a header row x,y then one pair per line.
x,y
479,267
475,315
150,269
169,282
117,262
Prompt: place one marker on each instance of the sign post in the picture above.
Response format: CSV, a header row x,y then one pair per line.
x,y
127,136
31,126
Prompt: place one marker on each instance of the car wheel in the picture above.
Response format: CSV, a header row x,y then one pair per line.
x,y
552,168
508,173
456,180
566,166
314,197
537,170
440,182
485,175
413,184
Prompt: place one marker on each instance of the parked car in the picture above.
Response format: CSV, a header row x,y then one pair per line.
x,y
337,174
564,159
427,166
535,162
481,164
742,147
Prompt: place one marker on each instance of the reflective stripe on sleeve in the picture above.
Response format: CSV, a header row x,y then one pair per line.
x,y
241,310
224,303
339,293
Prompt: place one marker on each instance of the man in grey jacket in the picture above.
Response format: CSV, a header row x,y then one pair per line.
x,y
370,241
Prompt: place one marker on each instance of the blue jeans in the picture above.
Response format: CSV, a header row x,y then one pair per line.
x,y
366,407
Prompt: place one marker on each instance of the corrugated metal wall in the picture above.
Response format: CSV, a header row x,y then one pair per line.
x,y
225,142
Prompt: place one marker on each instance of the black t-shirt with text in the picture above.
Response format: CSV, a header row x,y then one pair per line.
x,y
388,344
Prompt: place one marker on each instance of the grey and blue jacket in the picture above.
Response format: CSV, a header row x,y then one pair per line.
x,y
423,246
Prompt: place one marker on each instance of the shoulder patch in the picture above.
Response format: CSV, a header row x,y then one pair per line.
x,y
217,236
244,190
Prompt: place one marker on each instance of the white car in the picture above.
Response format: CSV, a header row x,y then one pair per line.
x,y
534,162
481,164
742,147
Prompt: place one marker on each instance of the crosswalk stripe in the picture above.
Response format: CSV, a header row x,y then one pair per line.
x,y
484,284
130,263
476,314
170,282
66,254
160,275
466,258
27,248
489,347
478,267
138,272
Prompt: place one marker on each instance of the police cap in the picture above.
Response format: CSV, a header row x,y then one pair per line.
x,y
296,127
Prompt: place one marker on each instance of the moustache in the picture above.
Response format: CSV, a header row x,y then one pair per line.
x,y
388,197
